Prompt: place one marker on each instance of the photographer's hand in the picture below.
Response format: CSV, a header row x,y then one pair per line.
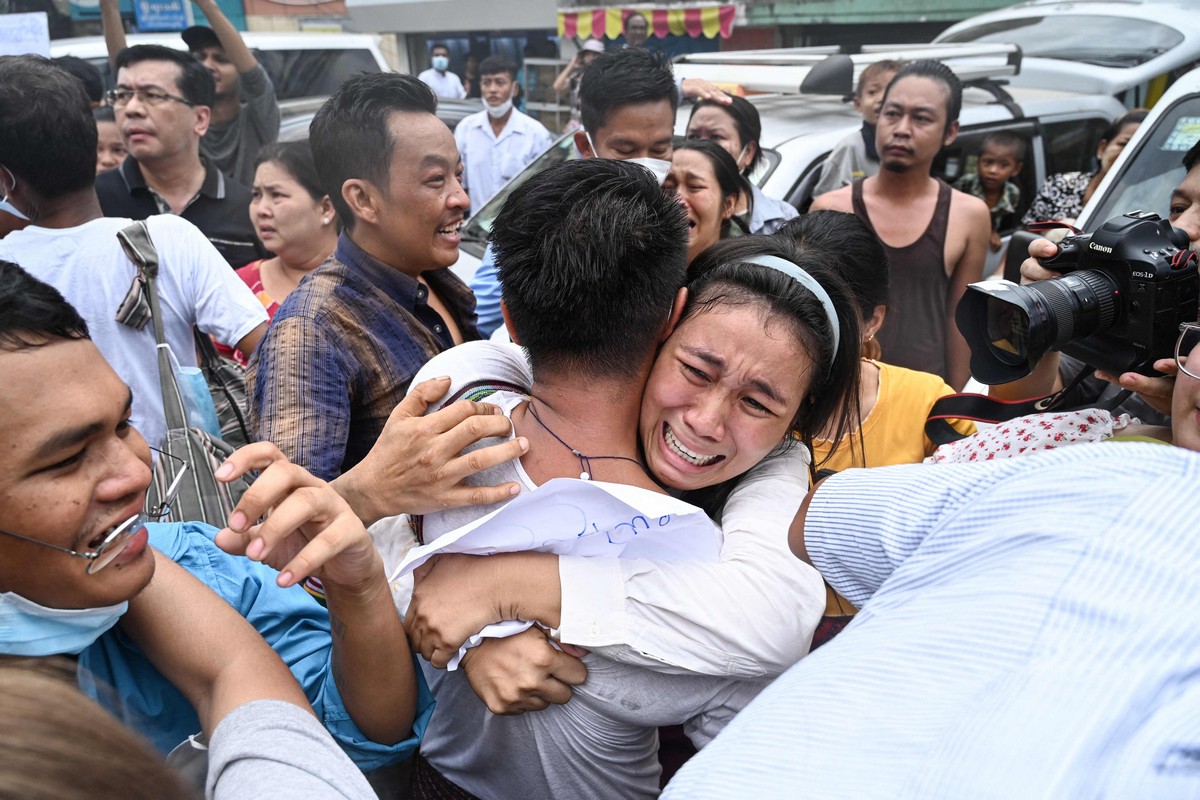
x,y
1031,268
1155,391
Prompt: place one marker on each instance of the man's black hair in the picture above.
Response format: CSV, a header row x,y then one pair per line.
x,y
93,81
349,134
747,121
439,45
1192,157
621,78
33,313
590,255
494,65
935,70
47,134
1007,140
195,83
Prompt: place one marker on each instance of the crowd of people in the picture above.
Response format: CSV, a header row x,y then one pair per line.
x,y
647,326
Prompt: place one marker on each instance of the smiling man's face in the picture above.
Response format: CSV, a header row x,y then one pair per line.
x,y
72,469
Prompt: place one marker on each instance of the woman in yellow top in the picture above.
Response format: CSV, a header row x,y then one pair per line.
x,y
893,401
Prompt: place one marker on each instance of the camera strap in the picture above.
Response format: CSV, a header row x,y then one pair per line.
x,y
981,408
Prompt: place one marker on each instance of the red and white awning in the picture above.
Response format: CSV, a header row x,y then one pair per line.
x,y
708,21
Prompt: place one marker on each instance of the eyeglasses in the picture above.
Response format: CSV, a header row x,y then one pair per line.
x,y
118,537
119,98
1189,337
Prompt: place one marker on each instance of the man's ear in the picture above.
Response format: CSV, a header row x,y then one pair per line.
x,y
676,314
360,195
508,324
951,134
203,118
583,145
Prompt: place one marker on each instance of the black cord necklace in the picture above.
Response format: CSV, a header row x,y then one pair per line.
x,y
585,462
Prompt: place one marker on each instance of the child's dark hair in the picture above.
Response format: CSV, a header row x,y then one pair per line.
x,y
878,68
1007,140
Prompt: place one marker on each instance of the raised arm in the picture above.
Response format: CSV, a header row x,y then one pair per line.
x,y
222,662
231,41
309,531
114,30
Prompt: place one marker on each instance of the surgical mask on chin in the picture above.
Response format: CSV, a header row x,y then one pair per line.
x,y
441,63
29,629
495,112
657,166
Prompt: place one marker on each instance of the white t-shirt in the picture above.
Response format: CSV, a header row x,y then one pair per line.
x,y
195,287
491,161
444,84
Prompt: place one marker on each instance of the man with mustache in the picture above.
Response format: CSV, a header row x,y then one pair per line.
x,y
935,237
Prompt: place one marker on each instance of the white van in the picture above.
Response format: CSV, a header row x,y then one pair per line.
x,y
1060,128
301,65
1132,49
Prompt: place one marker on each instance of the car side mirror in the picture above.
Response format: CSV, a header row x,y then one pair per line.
x,y
834,75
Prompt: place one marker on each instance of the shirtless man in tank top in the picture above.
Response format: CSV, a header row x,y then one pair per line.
x,y
936,237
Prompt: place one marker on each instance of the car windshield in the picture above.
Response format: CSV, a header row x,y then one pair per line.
x,y
313,73
1103,41
1151,173
480,224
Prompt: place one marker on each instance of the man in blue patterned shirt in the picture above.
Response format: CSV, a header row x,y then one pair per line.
x,y
343,348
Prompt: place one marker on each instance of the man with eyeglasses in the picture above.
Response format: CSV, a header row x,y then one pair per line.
x,y
163,102
84,571
47,173
245,114
1152,401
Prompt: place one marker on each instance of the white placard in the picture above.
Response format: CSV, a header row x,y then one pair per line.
x,y
25,34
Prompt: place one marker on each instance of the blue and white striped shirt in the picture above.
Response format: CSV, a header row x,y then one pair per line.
x,y
1030,628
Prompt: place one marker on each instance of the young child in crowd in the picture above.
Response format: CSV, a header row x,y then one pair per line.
x,y
855,156
1000,161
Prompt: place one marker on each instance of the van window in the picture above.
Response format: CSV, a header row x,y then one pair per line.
x,y
1071,145
313,73
1152,172
962,158
1099,40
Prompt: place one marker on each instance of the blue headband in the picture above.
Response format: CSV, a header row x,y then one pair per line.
x,y
808,282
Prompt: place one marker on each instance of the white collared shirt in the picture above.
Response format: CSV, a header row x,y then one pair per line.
x,y
1028,629
490,161
444,84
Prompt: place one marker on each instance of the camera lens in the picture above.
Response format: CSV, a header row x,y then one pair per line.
x,y
1009,327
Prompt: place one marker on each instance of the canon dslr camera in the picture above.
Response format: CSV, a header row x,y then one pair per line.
x,y
1125,290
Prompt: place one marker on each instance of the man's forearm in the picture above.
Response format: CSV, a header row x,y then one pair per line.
x,y
114,29
372,663
231,40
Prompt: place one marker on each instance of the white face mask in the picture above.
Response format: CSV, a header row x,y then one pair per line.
x,y
497,111
660,168
657,166
441,63
30,629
